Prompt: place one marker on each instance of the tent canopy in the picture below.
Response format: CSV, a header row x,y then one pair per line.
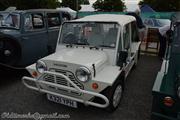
x,y
146,8
87,8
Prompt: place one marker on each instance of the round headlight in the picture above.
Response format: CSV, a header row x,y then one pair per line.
x,y
83,74
41,66
178,92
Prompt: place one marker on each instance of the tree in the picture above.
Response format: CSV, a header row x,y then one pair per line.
x,y
85,2
73,3
163,5
109,5
29,4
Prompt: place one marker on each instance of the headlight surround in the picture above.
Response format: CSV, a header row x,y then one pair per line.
x,y
83,74
178,91
41,66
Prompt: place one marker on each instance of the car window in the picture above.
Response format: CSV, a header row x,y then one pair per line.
x,y
65,16
90,33
119,44
53,19
10,20
126,36
33,21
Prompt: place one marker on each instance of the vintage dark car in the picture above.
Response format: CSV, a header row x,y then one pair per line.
x,y
26,36
166,89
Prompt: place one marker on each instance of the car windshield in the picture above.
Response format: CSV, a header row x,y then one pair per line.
x,y
90,33
10,20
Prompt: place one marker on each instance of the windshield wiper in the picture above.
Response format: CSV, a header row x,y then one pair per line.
x,y
106,46
94,47
80,43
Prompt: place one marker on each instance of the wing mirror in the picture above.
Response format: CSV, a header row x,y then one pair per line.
x,y
122,58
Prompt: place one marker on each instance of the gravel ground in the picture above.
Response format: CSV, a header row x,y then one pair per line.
x,y
136,103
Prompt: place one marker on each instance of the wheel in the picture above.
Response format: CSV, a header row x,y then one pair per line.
x,y
9,52
114,94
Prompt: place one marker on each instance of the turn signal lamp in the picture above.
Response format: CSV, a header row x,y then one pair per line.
x,y
95,86
168,101
34,74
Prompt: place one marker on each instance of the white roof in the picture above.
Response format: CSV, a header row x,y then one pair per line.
x,y
86,8
120,19
67,9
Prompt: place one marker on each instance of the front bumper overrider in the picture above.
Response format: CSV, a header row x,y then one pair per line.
x,y
38,82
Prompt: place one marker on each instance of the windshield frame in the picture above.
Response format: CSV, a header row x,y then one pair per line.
x,y
19,20
102,22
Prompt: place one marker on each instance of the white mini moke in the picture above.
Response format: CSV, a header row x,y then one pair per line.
x,y
93,57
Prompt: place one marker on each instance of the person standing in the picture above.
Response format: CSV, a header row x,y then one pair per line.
x,y
140,24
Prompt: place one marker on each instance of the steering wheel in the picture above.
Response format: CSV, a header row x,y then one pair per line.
x,y
70,38
84,41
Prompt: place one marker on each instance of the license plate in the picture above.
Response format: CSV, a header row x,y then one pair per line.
x,y
61,100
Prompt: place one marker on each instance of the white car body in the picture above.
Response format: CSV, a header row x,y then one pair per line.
x,y
60,77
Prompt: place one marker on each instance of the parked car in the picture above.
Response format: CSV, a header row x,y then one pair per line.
x,y
166,89
28,35
93,57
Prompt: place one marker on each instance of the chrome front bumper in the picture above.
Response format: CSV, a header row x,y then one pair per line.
x,y
75,88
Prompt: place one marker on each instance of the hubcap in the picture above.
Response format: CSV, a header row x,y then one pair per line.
x,y
117,95
7,52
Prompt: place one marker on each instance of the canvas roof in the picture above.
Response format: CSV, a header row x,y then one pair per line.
x,y
120,19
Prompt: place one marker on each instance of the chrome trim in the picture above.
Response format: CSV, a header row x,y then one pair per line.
x,y
39,82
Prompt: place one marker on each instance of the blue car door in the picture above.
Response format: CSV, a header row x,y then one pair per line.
x,y
54,22
34,37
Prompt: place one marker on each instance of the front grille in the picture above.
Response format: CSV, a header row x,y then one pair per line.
x,y
61,81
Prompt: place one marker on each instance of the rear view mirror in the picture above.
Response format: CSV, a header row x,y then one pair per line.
x,y
122,58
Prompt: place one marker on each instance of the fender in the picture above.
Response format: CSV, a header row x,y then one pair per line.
x,y
108,75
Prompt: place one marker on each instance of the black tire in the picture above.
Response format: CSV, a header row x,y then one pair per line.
x,y
109,93
10,51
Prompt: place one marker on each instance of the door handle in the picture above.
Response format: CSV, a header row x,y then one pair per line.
x,y
25,38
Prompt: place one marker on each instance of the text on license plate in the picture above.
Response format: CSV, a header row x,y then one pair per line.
x,y
61,100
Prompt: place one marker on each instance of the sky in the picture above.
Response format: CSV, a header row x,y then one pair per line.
x,y
130,4
127,1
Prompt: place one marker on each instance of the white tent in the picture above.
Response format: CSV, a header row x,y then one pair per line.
x,y
10,9
69,10
87,8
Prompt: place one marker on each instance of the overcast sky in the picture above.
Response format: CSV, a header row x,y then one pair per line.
x,y
127,1
130,4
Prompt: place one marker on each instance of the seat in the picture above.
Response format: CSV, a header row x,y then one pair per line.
x,y
96,37
152,37
110,39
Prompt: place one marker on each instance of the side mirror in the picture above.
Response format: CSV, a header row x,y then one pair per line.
x,y
169,35
122,58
